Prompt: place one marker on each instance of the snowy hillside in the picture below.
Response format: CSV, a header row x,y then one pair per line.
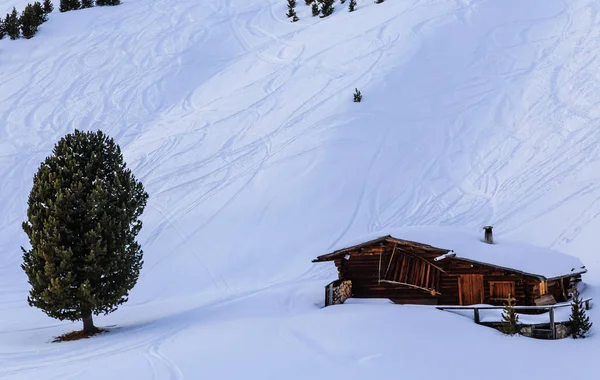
x,y
242,128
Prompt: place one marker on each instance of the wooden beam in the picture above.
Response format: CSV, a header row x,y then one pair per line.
x,y
425,260
411,286
552,326
391,259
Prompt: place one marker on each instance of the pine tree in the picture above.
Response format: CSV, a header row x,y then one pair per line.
x,y
357,96
107,2
40,14
12,25
379,1
291,6
69,5
295,17
83,217
2,29
352,5
48,6
510,319
327,8
29,22
580,322
315,9
87,4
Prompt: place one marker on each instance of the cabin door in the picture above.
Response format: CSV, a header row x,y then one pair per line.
x,y
470,289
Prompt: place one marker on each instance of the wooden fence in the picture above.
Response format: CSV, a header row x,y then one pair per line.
x,y
544,308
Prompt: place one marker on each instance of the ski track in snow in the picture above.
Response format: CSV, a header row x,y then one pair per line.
x,y
241,126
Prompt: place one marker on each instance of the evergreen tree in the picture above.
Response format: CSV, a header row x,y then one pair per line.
x,y
87,4
352,5
510,319
308,2
327,8
357,96
295,17
379,1
315,9
291,6
83,217
40,14
48,6
2,29
69,5
580,322
29,22
12,25
108,2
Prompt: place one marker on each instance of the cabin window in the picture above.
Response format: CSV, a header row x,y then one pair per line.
x,y
502,289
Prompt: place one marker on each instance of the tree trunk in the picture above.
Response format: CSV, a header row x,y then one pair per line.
x,y
88,325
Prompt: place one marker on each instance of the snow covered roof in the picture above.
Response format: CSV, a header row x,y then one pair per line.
x,y
466,245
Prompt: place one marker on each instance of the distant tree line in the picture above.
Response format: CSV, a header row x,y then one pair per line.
x,y
321,8
27,23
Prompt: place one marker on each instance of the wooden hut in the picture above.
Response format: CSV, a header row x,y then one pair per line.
x,y
443,266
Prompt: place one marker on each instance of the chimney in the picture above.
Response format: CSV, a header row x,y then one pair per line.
x,y
488,237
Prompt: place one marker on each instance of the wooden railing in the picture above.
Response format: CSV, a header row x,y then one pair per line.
x,y
550,308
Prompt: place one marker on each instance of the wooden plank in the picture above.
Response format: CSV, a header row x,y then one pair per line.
x,y
409,285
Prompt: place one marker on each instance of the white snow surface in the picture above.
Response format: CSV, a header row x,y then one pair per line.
x,y
466,244
242,128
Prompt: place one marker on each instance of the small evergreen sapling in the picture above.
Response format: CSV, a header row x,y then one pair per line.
x,y
352,6
12,25
357,96
291,5
2,29
315,9
327,8
29,22
295,18
580,322
40,14
48,6
69,5
510,319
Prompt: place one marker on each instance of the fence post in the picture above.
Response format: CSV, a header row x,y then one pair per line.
x,y
476,315
552,327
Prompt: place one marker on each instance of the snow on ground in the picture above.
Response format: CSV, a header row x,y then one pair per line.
x,y
242,127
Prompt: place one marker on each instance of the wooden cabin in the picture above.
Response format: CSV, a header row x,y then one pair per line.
x,y
460,269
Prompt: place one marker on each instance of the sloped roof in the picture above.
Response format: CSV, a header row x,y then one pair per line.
x,y
469,246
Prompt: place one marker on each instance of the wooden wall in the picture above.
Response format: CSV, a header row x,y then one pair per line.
x,y
366,266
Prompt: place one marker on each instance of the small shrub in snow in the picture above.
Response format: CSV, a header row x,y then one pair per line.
x,y
107,2
379,1
12,25
352,5
342,1
69,5
291,5
315,9
357,96
48,6
87,3
580,322
327,8
510,319
2,29
29,22
295,18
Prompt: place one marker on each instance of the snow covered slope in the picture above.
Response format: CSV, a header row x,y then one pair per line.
x,y
242,127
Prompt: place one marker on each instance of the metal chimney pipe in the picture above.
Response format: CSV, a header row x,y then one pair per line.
x,y
488,236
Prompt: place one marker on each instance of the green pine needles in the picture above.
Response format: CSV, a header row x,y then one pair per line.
x,y
580,322
510,319
82,221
